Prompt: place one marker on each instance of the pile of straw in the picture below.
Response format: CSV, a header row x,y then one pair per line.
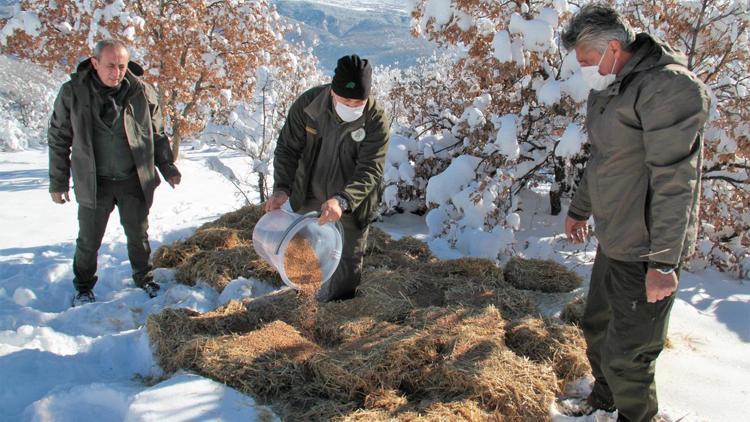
x,y
560,345
218,252
541,275
422,340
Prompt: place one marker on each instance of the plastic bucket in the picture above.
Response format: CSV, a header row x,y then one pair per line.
x,y
276,229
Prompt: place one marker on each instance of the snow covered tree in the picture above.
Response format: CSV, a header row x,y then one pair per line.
x,y
502,107
253,127
520,100
200,55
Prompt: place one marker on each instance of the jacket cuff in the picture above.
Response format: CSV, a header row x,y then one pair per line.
x,y
575,216
288,192
58,187
661,265
169,170
348,200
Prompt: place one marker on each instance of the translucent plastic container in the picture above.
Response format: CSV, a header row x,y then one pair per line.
x,y
276,229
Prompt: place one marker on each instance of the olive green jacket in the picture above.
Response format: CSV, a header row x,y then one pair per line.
x,y
70,136
642,181
356,167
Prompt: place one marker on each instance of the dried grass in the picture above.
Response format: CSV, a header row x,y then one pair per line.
x,y
423,340
221,266
540,275
383,251
544,341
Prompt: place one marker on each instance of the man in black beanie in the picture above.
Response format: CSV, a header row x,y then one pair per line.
x,y
330,157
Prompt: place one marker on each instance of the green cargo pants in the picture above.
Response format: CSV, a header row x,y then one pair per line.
x,y
92,222
348,274
624,336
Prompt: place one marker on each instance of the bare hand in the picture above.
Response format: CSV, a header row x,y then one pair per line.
x,y
576,230
659,286
330,211
60,197
174,181
276,201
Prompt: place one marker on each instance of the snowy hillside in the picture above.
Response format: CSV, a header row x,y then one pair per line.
x,y
378,31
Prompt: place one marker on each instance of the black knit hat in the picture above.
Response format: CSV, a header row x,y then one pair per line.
x,y
352,78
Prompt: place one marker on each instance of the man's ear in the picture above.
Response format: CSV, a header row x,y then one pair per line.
x,y
615,46
95,63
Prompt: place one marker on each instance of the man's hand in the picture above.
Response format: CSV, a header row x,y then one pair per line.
x,y
330,211
659,286
174,181
276,201
60,197
576,230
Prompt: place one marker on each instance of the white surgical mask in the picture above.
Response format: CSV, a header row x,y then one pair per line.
x,y
594,79
349,114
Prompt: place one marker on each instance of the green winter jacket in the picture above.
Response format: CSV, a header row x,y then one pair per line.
x,y
71,130
642,181
356,166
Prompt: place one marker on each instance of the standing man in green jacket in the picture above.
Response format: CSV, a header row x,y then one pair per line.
x,y
330,157
645,119
107,130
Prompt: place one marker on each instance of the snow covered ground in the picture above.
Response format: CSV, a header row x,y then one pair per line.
x,y
94,362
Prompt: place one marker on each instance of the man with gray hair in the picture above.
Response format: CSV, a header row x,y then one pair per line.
x,y
107,130
645,119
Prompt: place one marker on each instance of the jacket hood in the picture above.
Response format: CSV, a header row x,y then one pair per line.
x,y
652,52
648,53
86,66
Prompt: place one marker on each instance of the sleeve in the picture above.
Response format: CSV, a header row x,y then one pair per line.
x,y
163,158
580,206
368,173
60,140
673,112
289,148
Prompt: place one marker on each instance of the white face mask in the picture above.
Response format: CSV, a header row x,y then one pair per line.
x,y
349,114
594,79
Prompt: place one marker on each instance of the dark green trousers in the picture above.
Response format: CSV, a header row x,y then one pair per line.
x,y
624,335
92,222
344,281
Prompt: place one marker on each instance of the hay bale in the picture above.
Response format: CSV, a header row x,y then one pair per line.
x,y
383,251
174,255
472,268
561,346
506,384
572,313
219,267
216,238
172,328
231,230
243,220
407,357
461,410
265,362
541,275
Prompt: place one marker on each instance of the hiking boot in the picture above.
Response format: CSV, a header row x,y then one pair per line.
x,y
84,297
151,288
579,406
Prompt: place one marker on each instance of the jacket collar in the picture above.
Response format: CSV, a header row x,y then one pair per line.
x,y
320,105
323,103
85,69
649,53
